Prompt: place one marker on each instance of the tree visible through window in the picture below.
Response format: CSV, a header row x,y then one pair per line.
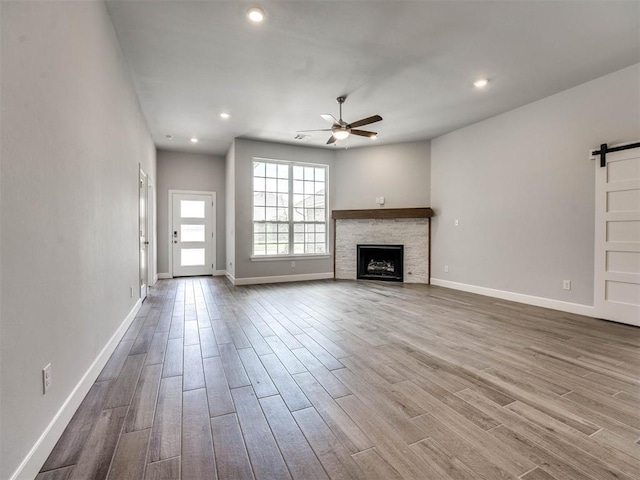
x,y
289,208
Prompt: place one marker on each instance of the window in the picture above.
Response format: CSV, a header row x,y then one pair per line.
x,y
289,208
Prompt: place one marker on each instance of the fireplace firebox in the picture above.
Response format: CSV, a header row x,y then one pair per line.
x,y
381,262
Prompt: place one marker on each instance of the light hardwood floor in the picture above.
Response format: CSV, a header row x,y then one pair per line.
x,y
362,380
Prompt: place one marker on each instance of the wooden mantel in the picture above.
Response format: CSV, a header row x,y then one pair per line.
x,y
422,212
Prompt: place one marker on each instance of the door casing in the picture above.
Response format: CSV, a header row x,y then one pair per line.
x,y
143,231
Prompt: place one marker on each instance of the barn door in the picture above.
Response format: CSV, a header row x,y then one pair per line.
x,y
617,240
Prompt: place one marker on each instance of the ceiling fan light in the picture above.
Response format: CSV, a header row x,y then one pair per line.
x,y
341,134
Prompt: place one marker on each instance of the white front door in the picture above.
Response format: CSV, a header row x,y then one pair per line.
x,y
617,241
144,242
192,233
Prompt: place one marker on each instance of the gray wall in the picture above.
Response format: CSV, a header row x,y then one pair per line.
x,y
356,176
399,172
522,187
245,150
189,171
71,140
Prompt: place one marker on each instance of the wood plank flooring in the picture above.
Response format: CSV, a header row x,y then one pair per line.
x,y
356,380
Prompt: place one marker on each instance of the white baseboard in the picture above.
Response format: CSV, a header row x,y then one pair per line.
x,y
155,279
36,457
279,278
569,307
165,276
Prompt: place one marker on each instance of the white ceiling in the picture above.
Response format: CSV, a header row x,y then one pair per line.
x,y
412,62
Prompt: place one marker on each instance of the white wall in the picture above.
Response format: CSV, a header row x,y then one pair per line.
x,y
399,172
230,203
71,141
245,151
189,171
522,187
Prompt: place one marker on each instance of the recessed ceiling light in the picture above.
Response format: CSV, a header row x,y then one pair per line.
x,y
194,140
373,137
255,14
224,115
481,83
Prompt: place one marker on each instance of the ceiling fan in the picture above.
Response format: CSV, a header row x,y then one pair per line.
x,y
341,129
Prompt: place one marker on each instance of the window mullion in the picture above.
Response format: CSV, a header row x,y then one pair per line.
x,y
291,209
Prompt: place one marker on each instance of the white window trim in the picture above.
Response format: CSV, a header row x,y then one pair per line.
x,y
301,256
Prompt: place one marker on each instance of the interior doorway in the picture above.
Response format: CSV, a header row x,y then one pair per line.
x,y
152,234
143,226
192,232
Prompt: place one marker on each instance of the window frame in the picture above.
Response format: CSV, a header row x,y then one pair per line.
x,y
290,164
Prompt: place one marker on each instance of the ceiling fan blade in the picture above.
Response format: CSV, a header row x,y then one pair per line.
x,y
365,121
330,118
331,140
364,133
316,130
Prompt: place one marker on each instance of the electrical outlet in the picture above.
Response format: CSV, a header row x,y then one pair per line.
x,y
293,264
566,284
456,223
446,269
46,379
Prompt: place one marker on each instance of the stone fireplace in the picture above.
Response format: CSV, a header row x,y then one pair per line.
x,y
406,227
